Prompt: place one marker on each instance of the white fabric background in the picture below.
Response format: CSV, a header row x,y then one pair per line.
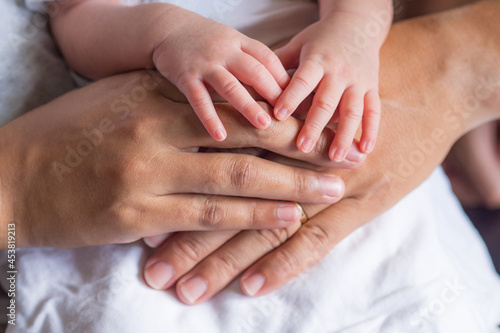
x,y
404,272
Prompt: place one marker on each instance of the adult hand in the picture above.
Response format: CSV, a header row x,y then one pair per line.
x,y
408,150
116,161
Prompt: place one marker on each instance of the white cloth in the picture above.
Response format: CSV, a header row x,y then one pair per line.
x,y
31,71
421,267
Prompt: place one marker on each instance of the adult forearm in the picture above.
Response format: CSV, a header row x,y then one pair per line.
x,y
99,38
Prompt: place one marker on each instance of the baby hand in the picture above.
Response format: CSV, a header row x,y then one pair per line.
x,y
345,81
201,53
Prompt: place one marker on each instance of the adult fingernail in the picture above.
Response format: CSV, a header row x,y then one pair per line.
x,y
220,134
287,213
264,119
281,113
354,155
155,241
194,288
158,274
331,186
253,284
338,155
306,145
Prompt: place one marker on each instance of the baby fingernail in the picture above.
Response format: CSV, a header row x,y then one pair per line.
x,y
281,113
264,119
157,275
354,155
331,186
194,288
253,284
368,147
288,213
338,155
220,134
306,145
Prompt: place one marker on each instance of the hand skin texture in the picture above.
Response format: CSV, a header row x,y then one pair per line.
x,y
440,78
118,160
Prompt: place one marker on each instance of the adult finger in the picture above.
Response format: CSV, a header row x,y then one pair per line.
x,y
206,212
221,267
155,241
324,104
311,242
249,71
250,176
268,58
181,253
303,82
351,112
233,91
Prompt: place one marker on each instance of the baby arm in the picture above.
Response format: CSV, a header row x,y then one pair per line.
x,y
101,37
338,58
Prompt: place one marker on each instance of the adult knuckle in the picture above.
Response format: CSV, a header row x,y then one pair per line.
x,y
126,216
273,237
287,262
224,262
302,183
138,127
316,235
212,213
189,248
137,168
243,173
